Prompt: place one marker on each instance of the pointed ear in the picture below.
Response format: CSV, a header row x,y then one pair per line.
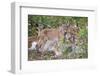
x,y
60,29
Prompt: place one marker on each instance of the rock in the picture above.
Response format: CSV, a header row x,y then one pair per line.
x,y
33,47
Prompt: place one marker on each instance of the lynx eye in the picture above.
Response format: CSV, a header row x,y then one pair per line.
x,y
65,33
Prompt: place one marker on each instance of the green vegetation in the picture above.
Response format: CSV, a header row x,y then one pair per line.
x,y
35,21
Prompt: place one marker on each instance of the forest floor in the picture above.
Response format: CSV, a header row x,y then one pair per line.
x,y
49,55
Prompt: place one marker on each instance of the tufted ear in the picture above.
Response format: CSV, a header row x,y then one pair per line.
x,y
60,29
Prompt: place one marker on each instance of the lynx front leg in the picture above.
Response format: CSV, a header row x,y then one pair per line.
x,y
57,52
